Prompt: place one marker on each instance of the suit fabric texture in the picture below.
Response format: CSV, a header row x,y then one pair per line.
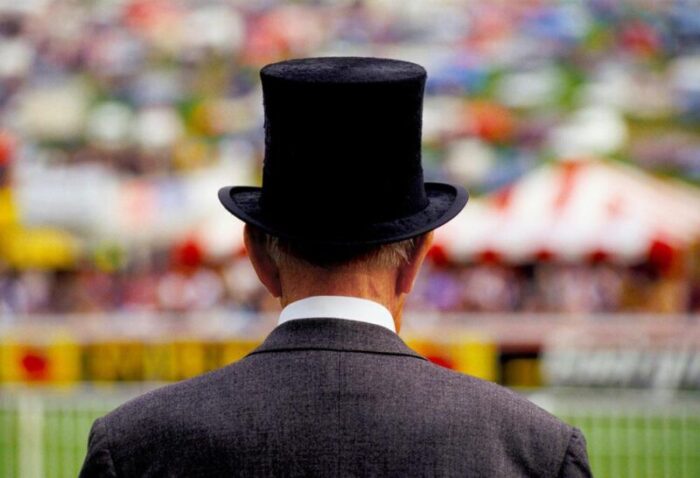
x,y
333,397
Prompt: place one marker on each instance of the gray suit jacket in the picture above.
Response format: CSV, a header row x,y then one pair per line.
x,y
330,397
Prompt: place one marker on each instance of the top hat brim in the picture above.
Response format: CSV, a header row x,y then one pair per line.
x,y
445,201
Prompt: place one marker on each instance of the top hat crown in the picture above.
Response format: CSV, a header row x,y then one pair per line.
x,y
343,155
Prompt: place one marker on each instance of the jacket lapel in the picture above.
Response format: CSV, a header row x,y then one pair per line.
x,y
334,334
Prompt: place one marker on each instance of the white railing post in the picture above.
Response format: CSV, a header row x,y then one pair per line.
x,y
30,410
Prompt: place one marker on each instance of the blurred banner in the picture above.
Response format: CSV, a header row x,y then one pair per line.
x,y
517,351
66,358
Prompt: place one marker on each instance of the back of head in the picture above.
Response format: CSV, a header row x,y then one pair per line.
x,y
288,252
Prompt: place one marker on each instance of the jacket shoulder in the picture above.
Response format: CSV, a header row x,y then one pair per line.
x,y
176,398
145,432
526,438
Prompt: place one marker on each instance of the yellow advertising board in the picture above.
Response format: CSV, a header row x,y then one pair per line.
x,y
462,352
61,359
55,361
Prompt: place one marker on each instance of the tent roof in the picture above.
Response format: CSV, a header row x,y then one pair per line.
x,y
575,209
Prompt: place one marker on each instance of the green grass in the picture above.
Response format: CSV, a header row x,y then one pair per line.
x,y
44,432
641,445
8,442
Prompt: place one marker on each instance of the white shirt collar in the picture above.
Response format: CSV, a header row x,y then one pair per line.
x,y
338,307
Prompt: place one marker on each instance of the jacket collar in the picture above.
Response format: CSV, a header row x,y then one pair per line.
x,y
334,334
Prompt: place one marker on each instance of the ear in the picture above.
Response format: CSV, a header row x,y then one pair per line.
x,y
409,270
264,266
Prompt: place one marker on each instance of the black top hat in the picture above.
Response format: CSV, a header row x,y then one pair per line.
x,y
343,155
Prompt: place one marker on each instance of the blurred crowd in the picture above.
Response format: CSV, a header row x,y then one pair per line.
x,y
158,90
187,284
156,86
159,285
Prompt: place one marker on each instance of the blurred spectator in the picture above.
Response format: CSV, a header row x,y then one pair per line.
x,y
119,119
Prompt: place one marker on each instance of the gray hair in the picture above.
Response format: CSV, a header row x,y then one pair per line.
x,y
389,255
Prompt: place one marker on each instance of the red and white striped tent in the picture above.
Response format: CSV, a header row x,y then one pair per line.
x,y
574,211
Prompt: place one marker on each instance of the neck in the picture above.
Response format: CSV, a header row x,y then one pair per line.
x,y
375,285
